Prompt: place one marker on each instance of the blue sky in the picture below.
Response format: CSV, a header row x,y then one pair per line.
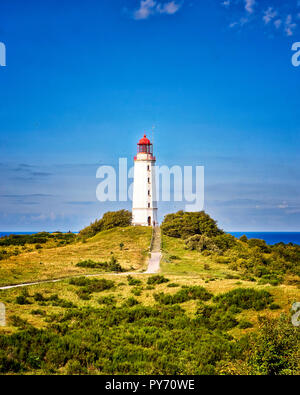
x,y
84,80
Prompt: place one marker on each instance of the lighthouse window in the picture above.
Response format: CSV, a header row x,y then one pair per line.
x,y
148,180
148,205
148,192
148,167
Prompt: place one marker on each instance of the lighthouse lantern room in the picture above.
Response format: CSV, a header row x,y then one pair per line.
x,y
144,204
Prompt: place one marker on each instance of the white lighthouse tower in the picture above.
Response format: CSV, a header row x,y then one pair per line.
x,y
144,204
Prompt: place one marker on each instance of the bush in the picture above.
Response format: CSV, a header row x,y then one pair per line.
x,y
111,219
185,294
111,266
274,349
245,298
243,324
260,244
133,281
185,224
130,302
90,286
157,280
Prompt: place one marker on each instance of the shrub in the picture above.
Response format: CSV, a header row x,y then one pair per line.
x,y
185,224
107,300
274,349
21,299
111,266
245,298
260,244
243,324
172,285
111,219
157,279
183,295
130,302
133,281
90,286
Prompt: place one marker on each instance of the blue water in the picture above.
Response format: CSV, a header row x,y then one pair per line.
x,y
2,234
271,237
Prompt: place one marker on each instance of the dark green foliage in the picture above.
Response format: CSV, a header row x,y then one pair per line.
x,y
137,339
130,302
111,266
136,291
89,286
185,294
38,312
243,324
132,339
133,281
244,238
275,348
218,244
111,219
185,224
53,300
157,279
23,297
224,242
214,318
172,285
38,238
107,300
260,244
245,298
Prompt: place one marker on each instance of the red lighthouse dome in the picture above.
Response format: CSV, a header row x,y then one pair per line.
x,y
145,147
144,141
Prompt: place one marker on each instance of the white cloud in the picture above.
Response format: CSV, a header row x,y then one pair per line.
x,y
269,14
168,8
151,7
145,10
249,6
226,3
278,23
289,26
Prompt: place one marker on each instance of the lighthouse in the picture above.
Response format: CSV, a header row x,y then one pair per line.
x,y
144,204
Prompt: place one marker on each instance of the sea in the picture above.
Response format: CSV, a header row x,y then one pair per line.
x,y
269,237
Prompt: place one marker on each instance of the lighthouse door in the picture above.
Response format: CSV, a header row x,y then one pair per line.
x,y
149,221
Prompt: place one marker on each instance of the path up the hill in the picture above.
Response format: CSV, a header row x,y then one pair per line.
x,y
154,261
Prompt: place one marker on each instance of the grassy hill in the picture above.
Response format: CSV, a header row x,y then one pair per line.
x,y
219,306
49,261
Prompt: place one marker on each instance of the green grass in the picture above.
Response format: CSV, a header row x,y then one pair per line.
x,y
55,262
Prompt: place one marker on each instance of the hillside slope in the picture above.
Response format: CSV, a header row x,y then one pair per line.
x,y
128,245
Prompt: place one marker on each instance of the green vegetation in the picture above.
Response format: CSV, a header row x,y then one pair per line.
x,y
111,219
185,294
111,266
122,335
216,308
196,239
53,261
38,238
157,280
184,224
244,298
